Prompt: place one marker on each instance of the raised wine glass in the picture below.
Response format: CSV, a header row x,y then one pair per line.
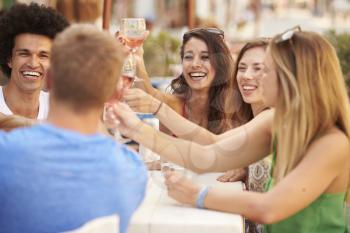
x,y
134,31
128,75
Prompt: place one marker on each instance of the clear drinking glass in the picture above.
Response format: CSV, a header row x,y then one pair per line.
x,y
133,30
128,75
128,72
116,134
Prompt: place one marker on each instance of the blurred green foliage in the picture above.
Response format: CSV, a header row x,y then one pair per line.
x,y
341,42
161,51
7,3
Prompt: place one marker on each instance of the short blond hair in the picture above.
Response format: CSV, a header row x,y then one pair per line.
x,y
85,66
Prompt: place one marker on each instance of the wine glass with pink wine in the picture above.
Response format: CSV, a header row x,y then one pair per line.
x,y
128,75
134,31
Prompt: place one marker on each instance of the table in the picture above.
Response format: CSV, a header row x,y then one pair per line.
x,y
161,214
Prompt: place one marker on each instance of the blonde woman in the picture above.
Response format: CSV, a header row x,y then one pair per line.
x,y
308,132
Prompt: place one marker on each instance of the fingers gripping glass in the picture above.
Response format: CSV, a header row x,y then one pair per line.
x,y
215,31
287,35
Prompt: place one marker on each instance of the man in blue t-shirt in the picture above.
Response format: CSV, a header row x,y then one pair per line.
x,y
58,175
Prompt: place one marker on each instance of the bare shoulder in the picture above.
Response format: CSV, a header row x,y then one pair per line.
x,y
337,139
334,142
263,120
175,102
330,152
266,115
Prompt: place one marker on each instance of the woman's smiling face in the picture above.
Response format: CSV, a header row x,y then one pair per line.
x,y
250,67
197,68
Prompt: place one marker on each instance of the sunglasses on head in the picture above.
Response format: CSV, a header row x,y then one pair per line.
x,y
215,31
287,35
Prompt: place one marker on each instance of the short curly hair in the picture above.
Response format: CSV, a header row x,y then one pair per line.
x,y
22,18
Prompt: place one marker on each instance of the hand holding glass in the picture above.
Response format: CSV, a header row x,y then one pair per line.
x,y
128,75
134,30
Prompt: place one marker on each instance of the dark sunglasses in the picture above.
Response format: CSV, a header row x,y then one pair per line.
x,y
215,31
287,35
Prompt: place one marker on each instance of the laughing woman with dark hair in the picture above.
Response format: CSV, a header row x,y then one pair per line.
x,y
199,92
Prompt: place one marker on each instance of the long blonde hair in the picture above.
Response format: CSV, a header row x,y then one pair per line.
x,y
314,96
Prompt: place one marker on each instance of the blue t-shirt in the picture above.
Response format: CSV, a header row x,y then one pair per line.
x,y
54,180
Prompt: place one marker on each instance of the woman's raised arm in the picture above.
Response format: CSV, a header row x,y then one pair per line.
x,y
245,144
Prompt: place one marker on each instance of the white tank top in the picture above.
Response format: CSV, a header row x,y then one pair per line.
x,y
43,105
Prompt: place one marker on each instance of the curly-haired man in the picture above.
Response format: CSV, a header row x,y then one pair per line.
x,y
26,34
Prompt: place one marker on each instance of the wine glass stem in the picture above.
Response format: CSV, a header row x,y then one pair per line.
x,y
132,55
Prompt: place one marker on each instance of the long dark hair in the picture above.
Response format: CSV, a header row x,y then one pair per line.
x,y
220,58
243,111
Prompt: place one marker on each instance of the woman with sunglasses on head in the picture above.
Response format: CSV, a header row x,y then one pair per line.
x,y
308,132
198,94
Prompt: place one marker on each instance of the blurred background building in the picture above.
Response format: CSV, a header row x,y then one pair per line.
x,y
239,18
167,20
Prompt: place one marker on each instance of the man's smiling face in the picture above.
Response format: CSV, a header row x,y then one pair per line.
x,y
29,62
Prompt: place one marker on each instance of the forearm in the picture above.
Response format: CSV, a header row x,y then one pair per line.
x,y
195,157
245,145
142,74
251,205
184,128
216,157
147,84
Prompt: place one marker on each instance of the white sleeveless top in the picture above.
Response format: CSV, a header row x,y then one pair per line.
x,y
43,105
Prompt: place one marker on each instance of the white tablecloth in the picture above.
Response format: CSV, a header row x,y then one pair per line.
x,y
161,214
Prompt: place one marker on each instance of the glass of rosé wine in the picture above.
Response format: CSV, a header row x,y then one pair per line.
x,y
126,81
133,30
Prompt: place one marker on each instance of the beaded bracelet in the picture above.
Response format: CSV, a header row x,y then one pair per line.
x,y
201,196
160,105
